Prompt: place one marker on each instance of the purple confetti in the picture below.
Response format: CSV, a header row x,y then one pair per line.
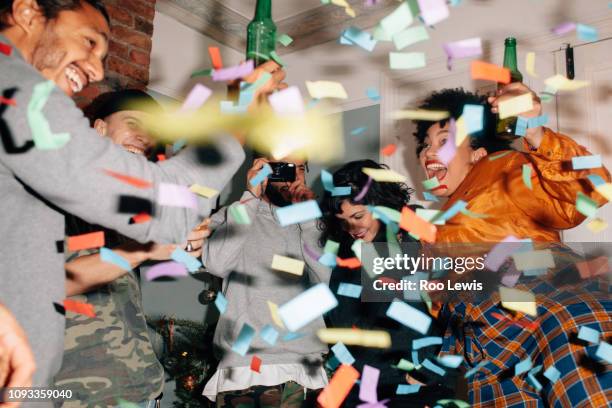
x,y
500,252
364,190
449,150
235,72
311,253
171,268
173,195
511,276
471,47
564,28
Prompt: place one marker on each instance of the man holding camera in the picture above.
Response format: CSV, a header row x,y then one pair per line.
x,y
291,368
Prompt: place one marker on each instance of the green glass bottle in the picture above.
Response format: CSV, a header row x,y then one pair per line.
x,y
261,33
506,127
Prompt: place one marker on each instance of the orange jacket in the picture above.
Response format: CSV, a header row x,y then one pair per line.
x,y
496,188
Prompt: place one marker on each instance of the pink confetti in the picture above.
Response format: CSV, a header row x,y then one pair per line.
x,y
449,150
287,102
369,382
235,72
500,252
564,28
173,195
364,190
196,98
173,269
471,47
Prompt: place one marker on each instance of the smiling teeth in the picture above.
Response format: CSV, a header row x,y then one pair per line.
x,y
134,150
435,167
74,79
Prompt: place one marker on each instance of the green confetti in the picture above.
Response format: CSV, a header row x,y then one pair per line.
x,y
431,183
405,365
127,404
331,247
276,58
585,205
499,156
527,176
453,403
284,39
44,138
471,214
204,72
239,214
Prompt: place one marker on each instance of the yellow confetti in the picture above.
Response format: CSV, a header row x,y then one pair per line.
x,y
605,190
597,225
384,175
356,337
518,300
274,313
203,191
530,64
289,265
561,83
420,114
460,131
326,89
515,106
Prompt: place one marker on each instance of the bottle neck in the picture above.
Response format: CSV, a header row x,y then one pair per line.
x,y
510,60
263,10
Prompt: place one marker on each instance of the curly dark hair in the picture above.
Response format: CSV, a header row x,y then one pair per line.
x,y
392,195
453,101
51,8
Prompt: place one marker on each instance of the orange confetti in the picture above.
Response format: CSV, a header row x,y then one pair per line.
x,y
133,181
414,224
351,263
6,49
389,149
593,267
79,308
215,57
141,218
161,157
86,241
7,101
490,72
339,386
256,364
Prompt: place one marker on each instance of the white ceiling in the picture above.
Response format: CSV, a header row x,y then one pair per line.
x,y
281,9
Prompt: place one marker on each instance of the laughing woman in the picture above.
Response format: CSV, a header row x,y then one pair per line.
x,y
346,219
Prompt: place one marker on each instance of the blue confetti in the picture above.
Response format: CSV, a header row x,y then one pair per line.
x,y
552,374
221,303
181,256
403,389
297,213
107,255
269,334
343,354
426,342
261,175
243,342
349,290
523,366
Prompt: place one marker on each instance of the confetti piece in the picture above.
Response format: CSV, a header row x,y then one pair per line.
x,y
261,175
86,241
256,364
451,361
594,267
79,308
467,212
109,256
433,11
298,213
326,89
588,334
527,169
475,369
416,225
405,365
307,306
7,101
239,214
389,149
284,39
490,72
292,336
276,58
181,256
235,72
404,389
360,38
533,260
585,205
385,214
349,263
420,114
446,153
473,115
515,106
369,382
564,28
198,95
161,157
339,386
429,215
431,183
243,342
604,352
586,162
355,337
523,366
452,403
596,180
287,101
269,334
532,380
328,184
455,209
349,290
173,195
141,218
127,404
472,47
427,196
289,265
170,268
356,248
561,83
587,33
426,342
433,368
215,57
203,191
6,49
373,94
133,181
221,303
406,60
518,300
384,175
409,316
43,137
530,60
274,313
500,252
203,72
358,131
499,156
343,354
410,36
398,20
552,374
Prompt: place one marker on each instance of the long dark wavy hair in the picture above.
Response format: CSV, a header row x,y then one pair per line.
x,y
392,195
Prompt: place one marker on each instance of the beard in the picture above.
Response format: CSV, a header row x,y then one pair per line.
x,y
275,197
48,53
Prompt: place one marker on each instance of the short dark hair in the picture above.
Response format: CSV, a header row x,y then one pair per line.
x,y
453,101
392,195
127,99
51,8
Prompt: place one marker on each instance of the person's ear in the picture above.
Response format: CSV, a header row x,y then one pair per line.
x,y
27,15
478,154
101,127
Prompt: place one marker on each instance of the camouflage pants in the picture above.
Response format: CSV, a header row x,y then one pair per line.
x,y
287,395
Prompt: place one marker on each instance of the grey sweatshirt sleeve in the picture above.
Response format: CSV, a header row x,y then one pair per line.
x,y
72,177
221,252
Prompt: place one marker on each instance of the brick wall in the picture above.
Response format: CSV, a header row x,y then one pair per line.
x,y
127,63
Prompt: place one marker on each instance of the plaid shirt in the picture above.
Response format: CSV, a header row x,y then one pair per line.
x,y
481,332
